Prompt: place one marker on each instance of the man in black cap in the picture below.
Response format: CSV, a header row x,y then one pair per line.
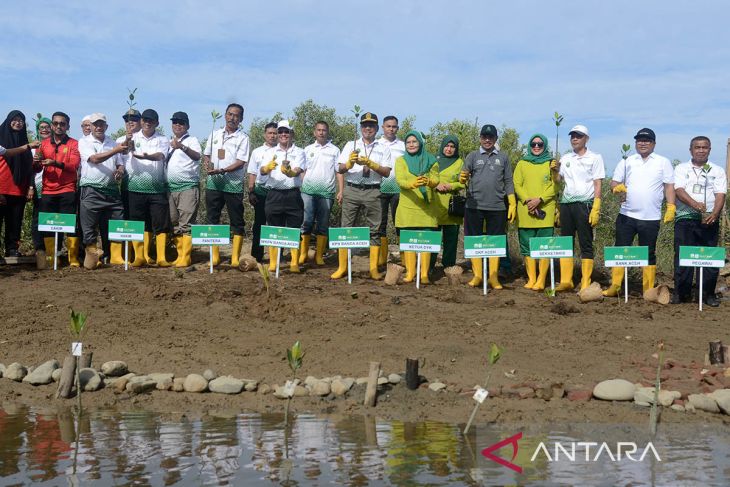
x,y
489,174
642,181
364,163
183,183
147,189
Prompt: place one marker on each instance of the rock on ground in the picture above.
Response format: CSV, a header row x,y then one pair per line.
x,y
178,384
722,398
15,372
195,383
394,378
114,368
614,390
340,387
226,385
56,375
163,380
90,380
437,386
644,396
703,403
140,384
208,374
320,388
43,374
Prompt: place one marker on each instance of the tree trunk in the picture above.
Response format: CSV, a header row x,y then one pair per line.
x,y
86,359
372,388
68,375
412,379
716,353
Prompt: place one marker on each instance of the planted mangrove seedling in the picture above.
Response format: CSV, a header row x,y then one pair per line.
x,y
294,356
495,353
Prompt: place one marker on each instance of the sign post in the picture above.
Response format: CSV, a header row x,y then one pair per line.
x,y
701,257
485,246
56,223
349,238
549,248
626,257
420,241
211,235
126,231
281,238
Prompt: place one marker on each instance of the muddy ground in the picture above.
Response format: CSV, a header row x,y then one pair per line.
x,y
166,320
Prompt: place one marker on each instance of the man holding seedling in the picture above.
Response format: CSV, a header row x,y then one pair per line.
x,y
700,187
389,189
642,180
580,204
224,159
364,162
257,187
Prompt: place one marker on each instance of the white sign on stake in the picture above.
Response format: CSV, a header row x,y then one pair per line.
x,y
76,349
480,395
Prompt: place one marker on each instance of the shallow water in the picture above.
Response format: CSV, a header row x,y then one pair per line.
x,y
38,447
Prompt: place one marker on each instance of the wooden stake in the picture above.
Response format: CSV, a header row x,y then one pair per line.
x,y
716,353
372,389
412,380
68,375
86,359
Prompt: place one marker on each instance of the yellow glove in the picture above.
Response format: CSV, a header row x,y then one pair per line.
x,y
369,163
269,167
619,188
431,183
288,171
669,214
556,224
511,208
463,177
351,160
417,183
595,212
554,165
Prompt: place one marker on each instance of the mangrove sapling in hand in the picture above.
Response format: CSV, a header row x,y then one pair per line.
x,y
294,356
215,115
494,355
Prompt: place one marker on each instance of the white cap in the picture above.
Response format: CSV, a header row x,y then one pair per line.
x,y
581,129
95,117
87,118
283,124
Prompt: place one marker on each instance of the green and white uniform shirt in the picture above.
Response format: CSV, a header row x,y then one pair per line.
x,y
397,148
578,173
224,149
279,180
319,179
260,156
701,184
147,176
377,152
183,172
99,176
38,181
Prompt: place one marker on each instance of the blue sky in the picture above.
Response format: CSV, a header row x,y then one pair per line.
x,y
615,66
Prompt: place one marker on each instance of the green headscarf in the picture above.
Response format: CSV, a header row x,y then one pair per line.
x,y
444,161
544,156
38,124
420,162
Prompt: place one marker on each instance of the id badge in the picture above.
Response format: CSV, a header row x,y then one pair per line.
x,y
697,189
221,154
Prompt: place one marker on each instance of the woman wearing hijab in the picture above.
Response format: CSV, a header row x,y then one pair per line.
x,y
42,132
450,164
16,174
417,173
536,193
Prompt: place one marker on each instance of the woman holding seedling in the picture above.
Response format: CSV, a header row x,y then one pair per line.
x,y
536,193
450,164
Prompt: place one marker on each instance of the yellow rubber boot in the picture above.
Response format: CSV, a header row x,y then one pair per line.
x,y
73,244
236,252
48,243
272,259
586,269
187,250
147,246
304,248
139,259
383,255
493,270
649,277
342,267
115,251
544,267
477,268
321,247
180,247
294,264
161,244
617,277
425,264
374,251
531,270
409,262
566,274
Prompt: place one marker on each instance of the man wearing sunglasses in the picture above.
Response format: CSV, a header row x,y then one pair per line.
x,y
581,172
59,161
642,180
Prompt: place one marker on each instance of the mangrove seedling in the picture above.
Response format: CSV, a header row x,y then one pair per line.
x,y
558,119
356,111
266,277
495,353
294,356
77,328
654,413
625,150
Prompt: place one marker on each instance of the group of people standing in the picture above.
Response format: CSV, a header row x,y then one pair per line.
x,y
145,176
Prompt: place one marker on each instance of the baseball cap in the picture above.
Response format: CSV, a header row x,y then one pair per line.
x,y
581,129
368,117
645,133
488,131
151,114
95,117
133,114
283,124
182,116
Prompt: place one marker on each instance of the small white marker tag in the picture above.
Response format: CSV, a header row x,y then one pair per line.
x,y
76,349
289,388
480,395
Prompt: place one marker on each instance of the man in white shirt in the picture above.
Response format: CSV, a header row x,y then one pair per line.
x,y
284,205
86,125
224,159
643,180
257,188
700,186
183,184
320,186
364,163
389,189
580,203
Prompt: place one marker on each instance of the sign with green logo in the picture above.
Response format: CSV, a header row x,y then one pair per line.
x,y
211,234
349,238
626,256
56,222
476,246
701,256
549,247
420,241
283,237
126,231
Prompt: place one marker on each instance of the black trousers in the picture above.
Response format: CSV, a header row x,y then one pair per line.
x,y
474,222
284,208
627,228
694,233
35,234
388,200
214,202
259,218
151,208
574,219
11,214
59,203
